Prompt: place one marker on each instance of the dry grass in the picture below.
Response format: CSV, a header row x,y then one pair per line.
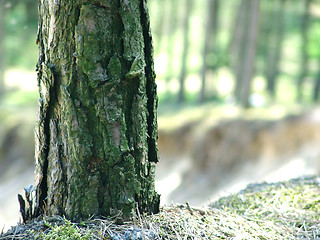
x,y
293,205
286,210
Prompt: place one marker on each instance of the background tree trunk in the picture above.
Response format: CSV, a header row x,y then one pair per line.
x,y
171,29
209,42
316,85
159,29
275,46
304,50
238,45
246,55
2,47
96,134
185,47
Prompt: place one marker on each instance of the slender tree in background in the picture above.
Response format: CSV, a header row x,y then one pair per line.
x,y
185,50
171,29
304,58
96,136
316,88
248,66
245,64
159,29
209,42
238,45
237,36
275,46
2,47
30,6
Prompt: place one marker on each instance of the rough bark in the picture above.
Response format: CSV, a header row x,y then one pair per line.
x,y
96,134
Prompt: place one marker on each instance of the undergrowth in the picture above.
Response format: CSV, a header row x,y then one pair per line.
x,y
285,210
66,231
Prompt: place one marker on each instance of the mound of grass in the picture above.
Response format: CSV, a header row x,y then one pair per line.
x,y
284,210
293,205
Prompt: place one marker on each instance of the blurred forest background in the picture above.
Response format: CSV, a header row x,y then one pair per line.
x,y
238,85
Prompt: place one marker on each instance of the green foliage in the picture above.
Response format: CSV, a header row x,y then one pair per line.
x,y
314,35
21,99
67,231
21,50
21,29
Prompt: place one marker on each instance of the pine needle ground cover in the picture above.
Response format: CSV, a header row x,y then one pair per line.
x,y
284,210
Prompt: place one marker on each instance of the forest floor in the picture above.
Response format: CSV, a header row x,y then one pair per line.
x,y
286,210
282,210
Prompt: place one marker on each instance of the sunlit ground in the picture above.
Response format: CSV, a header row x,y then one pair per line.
x,y
305,162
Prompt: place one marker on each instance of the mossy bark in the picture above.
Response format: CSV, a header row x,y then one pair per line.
x,y
97,130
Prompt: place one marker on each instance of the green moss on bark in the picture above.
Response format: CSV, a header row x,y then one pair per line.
x,y
97,128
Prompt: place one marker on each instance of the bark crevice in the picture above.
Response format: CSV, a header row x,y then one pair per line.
x,y
97,129
46,111
152,99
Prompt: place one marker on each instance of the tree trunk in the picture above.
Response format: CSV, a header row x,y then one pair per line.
x,y
96,135
316,88
244,46
238,45
2,47
237,34
159,29
185,50
304,50
250,51
209,42
171,38
275,46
